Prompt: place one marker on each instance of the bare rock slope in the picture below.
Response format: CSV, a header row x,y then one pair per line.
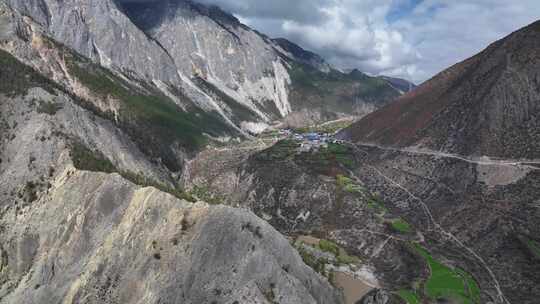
x,y
97,238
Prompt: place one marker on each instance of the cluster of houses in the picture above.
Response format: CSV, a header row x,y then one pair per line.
x,y
311,141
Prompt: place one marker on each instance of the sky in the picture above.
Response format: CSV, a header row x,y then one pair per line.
x,y
411,39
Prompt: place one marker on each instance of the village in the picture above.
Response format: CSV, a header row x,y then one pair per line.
x,y
312,141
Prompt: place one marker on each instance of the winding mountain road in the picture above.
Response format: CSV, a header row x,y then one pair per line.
x,y
486,161
501,298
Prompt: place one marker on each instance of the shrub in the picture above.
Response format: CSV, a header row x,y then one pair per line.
x,y
48,107
145,181
330,247
30,192
85,159
402,226
88,160
348,185
317,264
16,78
203,193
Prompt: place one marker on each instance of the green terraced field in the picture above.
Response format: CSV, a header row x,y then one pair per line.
x,y
409,296
447,283
402,226
348,185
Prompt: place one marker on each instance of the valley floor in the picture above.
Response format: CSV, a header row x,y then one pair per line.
x,y
402,189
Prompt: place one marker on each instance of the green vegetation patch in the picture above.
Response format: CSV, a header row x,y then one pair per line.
x,y
152,109
400,225
342,154
376,204
154,121
87,160
48,107
335,91
317,264
328,161
409,296
447,283
204,194
328,246
16,77
282,150
473,290
345,259
535,247
307,77
347,184
341,254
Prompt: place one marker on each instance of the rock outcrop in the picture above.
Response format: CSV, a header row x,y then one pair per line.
x,y
97,238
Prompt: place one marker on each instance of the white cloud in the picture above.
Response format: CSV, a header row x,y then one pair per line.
x,y
365,41
413,39
447,32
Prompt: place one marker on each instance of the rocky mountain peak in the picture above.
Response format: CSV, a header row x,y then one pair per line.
x,y
295,52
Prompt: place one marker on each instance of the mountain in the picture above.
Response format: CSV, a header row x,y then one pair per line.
x,y
208,56
488,105
128,175
406,193
403,85
91,211
297,53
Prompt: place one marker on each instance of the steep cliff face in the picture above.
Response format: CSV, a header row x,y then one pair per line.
x,y
70,234
221,65
487,105
300,55
211,44
167,127
101,31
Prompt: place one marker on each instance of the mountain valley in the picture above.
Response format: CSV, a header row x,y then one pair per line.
x,y
175,155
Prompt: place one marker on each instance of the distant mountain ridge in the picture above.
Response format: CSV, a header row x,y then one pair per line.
x,y
486,105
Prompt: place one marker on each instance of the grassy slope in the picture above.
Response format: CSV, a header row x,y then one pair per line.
x,y
328,161
16,77
85,159
150,108
335,91
401,226
152,119
409,296
447,283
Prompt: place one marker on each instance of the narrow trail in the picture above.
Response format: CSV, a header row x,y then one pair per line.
x,y
530,164
448,236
